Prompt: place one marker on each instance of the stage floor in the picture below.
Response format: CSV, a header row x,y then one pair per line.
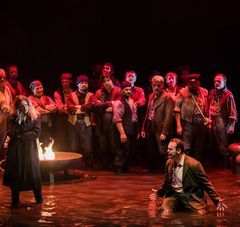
x,y
101,198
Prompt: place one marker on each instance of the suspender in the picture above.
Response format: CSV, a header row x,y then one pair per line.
x,y
206,120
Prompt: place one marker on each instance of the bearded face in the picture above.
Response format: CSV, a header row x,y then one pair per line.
x,y
219,82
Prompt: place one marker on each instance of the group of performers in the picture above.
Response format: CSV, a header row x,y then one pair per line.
x,y
115,116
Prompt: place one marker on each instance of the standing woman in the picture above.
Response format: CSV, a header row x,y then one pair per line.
x,y
22,171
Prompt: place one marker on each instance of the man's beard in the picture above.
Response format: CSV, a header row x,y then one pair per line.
x,y
194,90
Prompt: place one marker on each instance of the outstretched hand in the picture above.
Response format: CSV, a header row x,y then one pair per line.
x,y
221,206
154,196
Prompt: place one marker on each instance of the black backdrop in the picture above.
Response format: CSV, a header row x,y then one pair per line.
x,y
46,38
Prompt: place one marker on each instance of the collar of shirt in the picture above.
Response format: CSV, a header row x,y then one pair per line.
x,y
81,94
156,96
180,164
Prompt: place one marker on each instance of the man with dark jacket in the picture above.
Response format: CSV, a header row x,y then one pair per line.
x,y
185,183
157,125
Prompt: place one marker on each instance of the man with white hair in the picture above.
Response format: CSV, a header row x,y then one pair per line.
x,y
157,125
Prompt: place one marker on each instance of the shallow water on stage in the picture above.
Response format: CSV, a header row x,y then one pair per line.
x,y
103,198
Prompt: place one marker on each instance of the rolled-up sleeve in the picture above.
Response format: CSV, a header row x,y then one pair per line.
x,y
178,103
232,108
118,111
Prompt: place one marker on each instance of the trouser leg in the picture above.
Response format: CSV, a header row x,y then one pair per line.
x,y
15,197
38,195
152,152
112,145
85,136
200,131
103,145
187,137
221,140
220,135
72,138
122,154
162,149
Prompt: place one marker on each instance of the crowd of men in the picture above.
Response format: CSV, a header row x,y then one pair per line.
x,y
118,120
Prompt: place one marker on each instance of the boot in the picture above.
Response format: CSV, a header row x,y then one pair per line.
x,y
15,198
38,196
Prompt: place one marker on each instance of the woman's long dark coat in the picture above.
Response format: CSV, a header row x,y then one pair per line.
x,y
22,171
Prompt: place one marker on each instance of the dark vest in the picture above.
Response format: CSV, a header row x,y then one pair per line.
x,y
128,125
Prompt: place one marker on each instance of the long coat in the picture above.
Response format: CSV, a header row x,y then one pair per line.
x,y
195,184
22,171
163,113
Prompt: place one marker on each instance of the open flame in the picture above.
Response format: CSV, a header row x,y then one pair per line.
x,y
48,154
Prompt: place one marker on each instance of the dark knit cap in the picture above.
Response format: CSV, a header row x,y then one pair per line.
x,y
195,76
125,84
66,76
34,84
82,78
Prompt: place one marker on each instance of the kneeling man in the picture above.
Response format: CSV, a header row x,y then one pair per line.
x,y
185,183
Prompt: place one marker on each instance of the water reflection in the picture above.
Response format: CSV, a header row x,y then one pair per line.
x,y
108,200
152,209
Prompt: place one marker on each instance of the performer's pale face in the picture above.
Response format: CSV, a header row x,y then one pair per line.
x,y
219,82
157,87
38,91
131,77
83,86
172,151
23,107
127,91
171,80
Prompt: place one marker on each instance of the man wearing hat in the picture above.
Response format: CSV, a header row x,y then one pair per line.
x,y
60,122
126,120
6,105
46,107
12,82
192,116
157,125
80,105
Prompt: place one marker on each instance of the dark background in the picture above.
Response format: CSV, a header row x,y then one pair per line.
x,y
47,38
